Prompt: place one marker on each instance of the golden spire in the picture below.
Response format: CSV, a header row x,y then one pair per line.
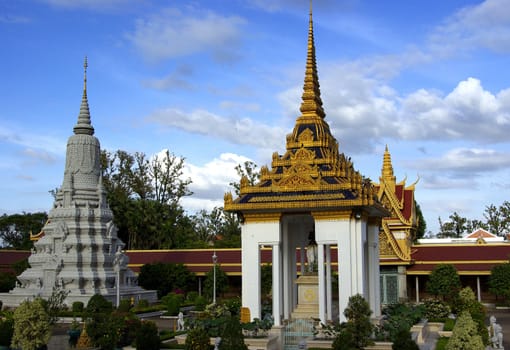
x,y
84,126
387,169
312,103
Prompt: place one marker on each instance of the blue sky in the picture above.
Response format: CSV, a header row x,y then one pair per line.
x,y
218,82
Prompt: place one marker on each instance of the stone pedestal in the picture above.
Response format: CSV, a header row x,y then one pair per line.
x,y
308,297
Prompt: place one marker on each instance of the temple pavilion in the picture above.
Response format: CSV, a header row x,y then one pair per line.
x,y
310,197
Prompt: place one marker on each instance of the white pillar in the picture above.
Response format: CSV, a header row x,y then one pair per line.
x,y
250,266
478,289
374,279
277,285
417,284
322,287
345,272
329,297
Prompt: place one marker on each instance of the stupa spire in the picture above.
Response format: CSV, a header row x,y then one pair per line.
x,y
387,168
312,103
84,126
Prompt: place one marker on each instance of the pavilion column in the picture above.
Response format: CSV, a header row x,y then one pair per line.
x,y
259,231
345,272
374,281
329,297
322,284
277,285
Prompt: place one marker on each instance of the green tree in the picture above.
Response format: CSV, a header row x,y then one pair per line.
x,y
499,281
15,229
459,224
144,195
232,337
444,281
494,219
166,278
422,225
221,282
248,170
31,325
446,229
219,228
467,302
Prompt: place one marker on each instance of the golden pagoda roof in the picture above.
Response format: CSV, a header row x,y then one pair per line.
x,y
312,174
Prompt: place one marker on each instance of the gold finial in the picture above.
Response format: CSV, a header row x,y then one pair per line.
x,y
312,103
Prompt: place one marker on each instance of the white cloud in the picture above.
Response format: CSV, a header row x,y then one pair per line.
x,y
46,144
211,180
238,131
486,25
467,161
172,33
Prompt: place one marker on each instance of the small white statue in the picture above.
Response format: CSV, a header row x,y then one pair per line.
x,y
311,252
217,342
495,334
180,321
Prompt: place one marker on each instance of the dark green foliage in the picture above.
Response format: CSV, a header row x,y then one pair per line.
x,y
444,282
98,304
147,337
130,325
15,229
166,278
266,279
200,303
124,305
144,196
232,335
6,330
221,282
356,332
499,281
233,306
403,341
441,343
173,303
344,339
399,317
422,225
197,339
104,329
7,281
77,307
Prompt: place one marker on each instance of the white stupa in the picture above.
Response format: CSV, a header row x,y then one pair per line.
x,y
79,250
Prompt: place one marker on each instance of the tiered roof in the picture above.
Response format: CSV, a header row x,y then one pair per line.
x,y
312,174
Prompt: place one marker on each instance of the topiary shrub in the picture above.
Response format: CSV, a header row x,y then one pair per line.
x,y
147,337
77,307
436,310
465,334
232,335
31,325
98,304
403,341
197,339
356,332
